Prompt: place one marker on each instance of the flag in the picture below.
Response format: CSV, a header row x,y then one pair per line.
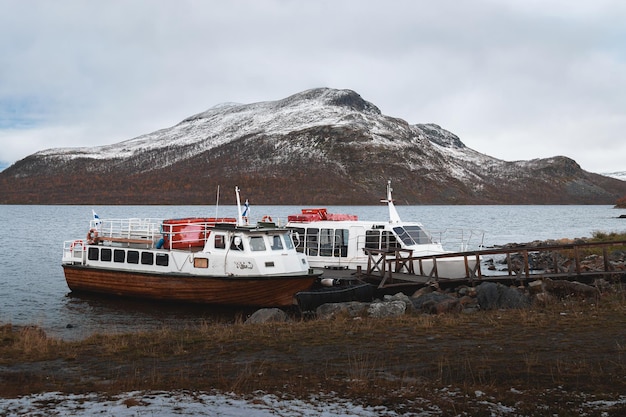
x,y
96,218
246,206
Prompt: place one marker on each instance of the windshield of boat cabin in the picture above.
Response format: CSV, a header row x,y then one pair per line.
x,y
288,241
277,243
257,243
412,235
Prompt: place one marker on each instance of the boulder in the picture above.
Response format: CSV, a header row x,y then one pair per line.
x,y
493,296
535,287
436,303
400,297
350,309
563,289
387,309
267,315
422,291
449,305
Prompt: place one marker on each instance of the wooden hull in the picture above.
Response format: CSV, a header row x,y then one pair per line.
x,y
275,291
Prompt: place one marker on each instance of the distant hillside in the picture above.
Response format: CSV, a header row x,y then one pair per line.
x,y
320,146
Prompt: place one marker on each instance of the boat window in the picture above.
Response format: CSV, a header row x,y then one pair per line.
x,y
162,259
326,242
92,254
418,234
257,243
200,262
119,255
220,241
341,243
389,241
132,257
277,243
312,241
147,258
404,235
236,243
288,241
105,255
372,239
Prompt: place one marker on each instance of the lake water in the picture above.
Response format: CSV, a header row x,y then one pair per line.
x,y
33,289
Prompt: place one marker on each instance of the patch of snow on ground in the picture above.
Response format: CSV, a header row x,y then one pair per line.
x,y
189,403
180,404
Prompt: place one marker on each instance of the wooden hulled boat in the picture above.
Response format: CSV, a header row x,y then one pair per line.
x,y
197,260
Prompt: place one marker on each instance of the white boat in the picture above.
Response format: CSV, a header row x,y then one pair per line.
x,y
198,260
341,241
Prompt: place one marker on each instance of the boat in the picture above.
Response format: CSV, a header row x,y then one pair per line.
x,y
209,260
334,290
342,241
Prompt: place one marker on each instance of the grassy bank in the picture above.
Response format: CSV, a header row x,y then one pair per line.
x,y
552,352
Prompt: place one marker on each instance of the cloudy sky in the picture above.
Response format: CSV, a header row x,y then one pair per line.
x,y
514,79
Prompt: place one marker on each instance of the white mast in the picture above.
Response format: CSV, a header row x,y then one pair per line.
x,y
217,201
239,216
394,217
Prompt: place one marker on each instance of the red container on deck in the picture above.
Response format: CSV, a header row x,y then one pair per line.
x,y
190,232
317,214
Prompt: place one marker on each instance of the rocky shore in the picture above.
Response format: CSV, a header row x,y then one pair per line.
x,y
464,300
489,295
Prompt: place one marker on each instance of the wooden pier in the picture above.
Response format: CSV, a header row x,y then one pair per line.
x,y
398,267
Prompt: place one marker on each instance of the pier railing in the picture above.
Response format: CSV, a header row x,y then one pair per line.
x,y
564,261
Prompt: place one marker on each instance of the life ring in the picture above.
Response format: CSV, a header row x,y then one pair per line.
x,y
92,236
267,219
76,243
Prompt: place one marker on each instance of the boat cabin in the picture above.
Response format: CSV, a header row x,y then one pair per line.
x,y
186,245
347,239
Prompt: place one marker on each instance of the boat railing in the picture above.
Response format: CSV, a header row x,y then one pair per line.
x,y
459,240
131,229
74,251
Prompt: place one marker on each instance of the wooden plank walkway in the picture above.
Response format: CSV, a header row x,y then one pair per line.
x,y
397,267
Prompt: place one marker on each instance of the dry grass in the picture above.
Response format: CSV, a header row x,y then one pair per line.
x,y
576,345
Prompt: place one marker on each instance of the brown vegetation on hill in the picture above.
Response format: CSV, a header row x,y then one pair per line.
x,y
294,182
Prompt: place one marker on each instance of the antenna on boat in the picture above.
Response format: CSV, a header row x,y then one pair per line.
x,y
394,217
217,200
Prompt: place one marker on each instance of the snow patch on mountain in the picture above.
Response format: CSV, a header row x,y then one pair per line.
x,y
227,122
621,175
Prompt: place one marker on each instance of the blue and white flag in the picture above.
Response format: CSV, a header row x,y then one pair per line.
x,y
246,206
96,218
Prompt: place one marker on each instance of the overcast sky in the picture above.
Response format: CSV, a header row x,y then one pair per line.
x,y
514,79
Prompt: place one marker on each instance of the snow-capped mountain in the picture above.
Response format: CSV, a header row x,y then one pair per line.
x,y
320,146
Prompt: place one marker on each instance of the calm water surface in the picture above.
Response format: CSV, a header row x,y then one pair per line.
x,y
33,289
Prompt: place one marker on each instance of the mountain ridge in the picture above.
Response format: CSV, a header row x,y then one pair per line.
x,y
319,146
